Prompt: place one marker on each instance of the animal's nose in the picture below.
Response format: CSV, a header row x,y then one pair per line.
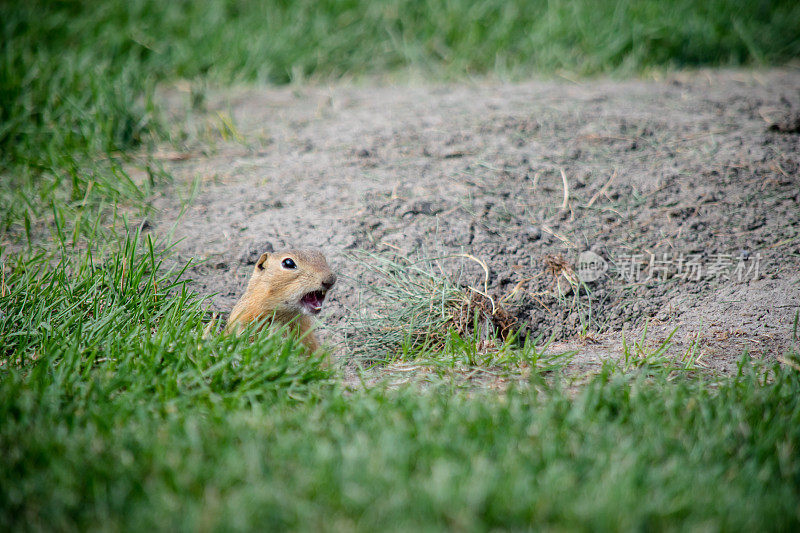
x,y
329,281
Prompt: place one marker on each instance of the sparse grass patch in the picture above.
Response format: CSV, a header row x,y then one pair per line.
x,y
637,355
413,309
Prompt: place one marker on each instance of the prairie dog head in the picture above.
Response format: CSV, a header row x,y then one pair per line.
x,y
292,281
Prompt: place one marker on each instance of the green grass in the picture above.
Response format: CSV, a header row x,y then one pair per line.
x,y
120,409
120,412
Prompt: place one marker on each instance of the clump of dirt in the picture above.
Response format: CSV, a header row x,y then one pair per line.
x,y
789,123
690,207
504,324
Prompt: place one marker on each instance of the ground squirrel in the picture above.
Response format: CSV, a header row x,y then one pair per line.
x,y
289,287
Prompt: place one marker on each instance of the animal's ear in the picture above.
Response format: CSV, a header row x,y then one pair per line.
x,y
262,261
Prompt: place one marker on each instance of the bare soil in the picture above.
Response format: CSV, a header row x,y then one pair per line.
x,y
659,176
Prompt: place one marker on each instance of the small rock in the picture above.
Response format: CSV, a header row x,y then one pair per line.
x,y
787,124
371,222
599,249
422,207
531,233
563,287
253,251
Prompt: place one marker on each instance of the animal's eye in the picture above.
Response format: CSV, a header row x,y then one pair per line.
x,y
288,263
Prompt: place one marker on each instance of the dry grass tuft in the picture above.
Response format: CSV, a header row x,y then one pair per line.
x,y
410,308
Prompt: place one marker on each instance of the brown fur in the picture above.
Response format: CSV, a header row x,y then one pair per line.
x,y
275,292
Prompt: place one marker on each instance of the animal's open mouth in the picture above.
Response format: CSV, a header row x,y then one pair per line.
x,y
312,301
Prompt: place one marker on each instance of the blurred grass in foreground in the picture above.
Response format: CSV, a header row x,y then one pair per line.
x,y
77,78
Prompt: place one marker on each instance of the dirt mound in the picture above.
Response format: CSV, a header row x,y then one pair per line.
x,y
684,192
